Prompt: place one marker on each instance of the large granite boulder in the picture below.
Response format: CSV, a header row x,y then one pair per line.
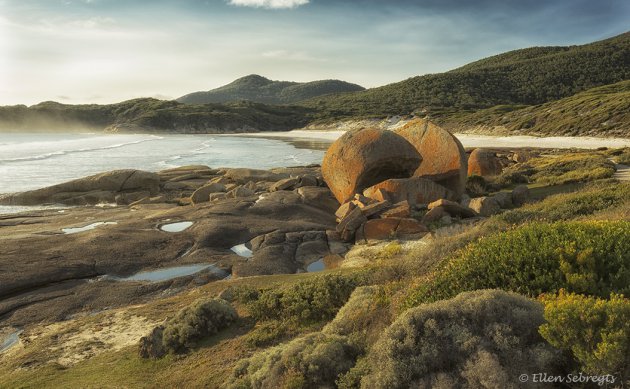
x,y
415,190
362,158
484,163
444,159
94,189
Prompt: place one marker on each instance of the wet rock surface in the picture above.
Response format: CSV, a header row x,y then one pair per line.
x,y
46,275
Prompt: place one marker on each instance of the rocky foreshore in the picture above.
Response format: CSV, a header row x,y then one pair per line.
x,y
373,185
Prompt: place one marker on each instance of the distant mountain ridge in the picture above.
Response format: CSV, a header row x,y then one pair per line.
x,y
259,89
522,77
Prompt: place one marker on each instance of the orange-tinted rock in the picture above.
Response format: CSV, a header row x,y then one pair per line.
x,y
415,190
350,223
400,209
434,215
373,209
362,158
389,228
344,210
484,163
453,208
444,159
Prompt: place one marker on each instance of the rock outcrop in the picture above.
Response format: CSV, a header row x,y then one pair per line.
x,y
360,159
99,188
415,190
484,163
444,159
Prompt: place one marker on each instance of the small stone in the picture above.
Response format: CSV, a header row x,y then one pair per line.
x,y
308,181
285,184
373,209
240,191
484,206
453,208
434,215
520,195
217,196
350,223
504,199
344,210
203,194
400,209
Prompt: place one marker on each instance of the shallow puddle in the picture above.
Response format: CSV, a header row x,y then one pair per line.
x,y
176,227
10,341
316,266
242,250
171,273
74,230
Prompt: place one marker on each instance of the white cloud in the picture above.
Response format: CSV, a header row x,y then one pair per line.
x,y
272,4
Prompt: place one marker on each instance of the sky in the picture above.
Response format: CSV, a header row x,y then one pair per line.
x,y
105,51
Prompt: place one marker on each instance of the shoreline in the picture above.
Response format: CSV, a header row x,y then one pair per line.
x,y
468,140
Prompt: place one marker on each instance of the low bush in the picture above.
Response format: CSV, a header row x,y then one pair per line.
x,y
595,331
363,317
582,257
313,300
202,318
509,178
480,339
575,167
593,198
557,170
312,361
476,186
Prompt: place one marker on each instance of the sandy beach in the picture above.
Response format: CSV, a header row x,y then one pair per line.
x,y
471,140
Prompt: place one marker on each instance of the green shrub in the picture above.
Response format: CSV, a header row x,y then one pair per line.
x,y
595,331
313,300
480,339
593,198
312,361
577,167
582,257
510,178
202,318
476,186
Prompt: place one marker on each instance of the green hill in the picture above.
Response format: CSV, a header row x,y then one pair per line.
x,y
597,111
262,90
153,115
523,77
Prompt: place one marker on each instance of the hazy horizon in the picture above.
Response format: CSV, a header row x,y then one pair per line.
x,y
106,51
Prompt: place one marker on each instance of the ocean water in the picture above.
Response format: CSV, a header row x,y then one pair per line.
x,y
31,161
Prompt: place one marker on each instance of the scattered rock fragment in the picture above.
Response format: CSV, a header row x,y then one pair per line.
x,y
520,195
484,206
415,190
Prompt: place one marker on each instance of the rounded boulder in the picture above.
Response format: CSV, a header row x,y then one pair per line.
x,y
362,158
444,159
483,163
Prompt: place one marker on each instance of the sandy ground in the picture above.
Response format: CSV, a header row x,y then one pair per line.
x,y
471,140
